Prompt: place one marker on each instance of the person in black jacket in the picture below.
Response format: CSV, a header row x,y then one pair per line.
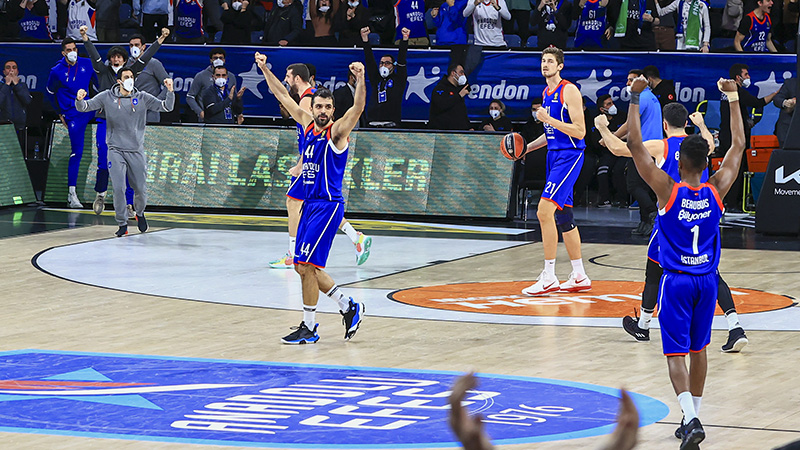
x,y
786,100
221,103
349,21
284,23
636,31
237,21
664,90
344,98
14,98
554,19
498,120
388,83
448,108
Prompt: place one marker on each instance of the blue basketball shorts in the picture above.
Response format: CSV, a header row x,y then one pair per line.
x,y
319,221
563,169
652,245
296,190
686,306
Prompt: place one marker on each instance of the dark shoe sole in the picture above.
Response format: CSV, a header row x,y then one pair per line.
x,y
693,439
349,334
631,332
141,224
737,346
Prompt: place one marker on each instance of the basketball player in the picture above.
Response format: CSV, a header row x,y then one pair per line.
x,y
666,152
324,161
564,129
689,251
126,114
298,80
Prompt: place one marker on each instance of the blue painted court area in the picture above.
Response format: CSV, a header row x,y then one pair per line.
x,y
263,404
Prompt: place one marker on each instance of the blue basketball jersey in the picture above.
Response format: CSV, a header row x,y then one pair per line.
x,y
554,105
410,14
300,130
591,25
672,154
189,19
34,28
689,238
323,166
756,39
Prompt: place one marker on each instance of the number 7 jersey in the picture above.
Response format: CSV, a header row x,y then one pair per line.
x,y
689,237
323,165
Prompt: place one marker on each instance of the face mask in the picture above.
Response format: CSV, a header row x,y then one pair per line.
x,y
281,4
384,71
746,83
324,9
116,68
352,4
220,81
237,6
494,113
128,84
533,114
462,80
217,62
628,90
613,110
72,56
135,52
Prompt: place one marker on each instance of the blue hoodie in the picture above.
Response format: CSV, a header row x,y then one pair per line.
x,y
64,83
451,25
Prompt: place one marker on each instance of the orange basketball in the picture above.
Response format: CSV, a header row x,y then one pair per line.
x,y
513,146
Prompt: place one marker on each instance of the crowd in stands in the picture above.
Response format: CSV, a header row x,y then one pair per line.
x,y
683,25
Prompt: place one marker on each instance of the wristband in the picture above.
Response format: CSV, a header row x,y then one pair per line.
x,y
732,97
635,97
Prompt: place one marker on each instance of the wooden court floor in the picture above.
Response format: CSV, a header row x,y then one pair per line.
x,y
752,399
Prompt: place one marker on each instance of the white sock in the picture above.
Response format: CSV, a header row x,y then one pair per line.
x,y
550,267
644,320
72,190
687,405
337,295
350,232
697,401
292,243
310,316
733,321
577,266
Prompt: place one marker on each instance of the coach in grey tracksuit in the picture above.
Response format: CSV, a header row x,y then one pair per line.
x,y
126,113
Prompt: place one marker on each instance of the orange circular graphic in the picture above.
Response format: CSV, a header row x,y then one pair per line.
x,y
605,299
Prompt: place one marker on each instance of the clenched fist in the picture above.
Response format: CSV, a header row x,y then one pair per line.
x,y
81,94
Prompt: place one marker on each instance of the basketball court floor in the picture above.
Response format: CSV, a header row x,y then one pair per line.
x,y
171,339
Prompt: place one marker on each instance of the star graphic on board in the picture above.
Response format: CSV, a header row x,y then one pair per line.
x,y
252,79
770,85
590,86
419,82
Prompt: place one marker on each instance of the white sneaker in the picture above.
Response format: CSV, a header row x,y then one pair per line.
x,y
576,283
363,244
72,200
99,204
131,212
544,285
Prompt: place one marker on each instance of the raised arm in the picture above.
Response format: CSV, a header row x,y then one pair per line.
x,y
94,55
574,103
93,104
618,147
151,51
302,117
341,128
727,173
166,105
700,123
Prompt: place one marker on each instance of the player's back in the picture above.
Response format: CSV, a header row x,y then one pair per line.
x,y
323,165
672,154
553,102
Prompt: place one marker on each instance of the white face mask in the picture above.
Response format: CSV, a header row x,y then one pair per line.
x,y
746,83
628,90
384,71
462,80
613,110
72,56
352,4
116,68
281,4
237,6
217,62
324,9
128,84
494,113
220,81
135,52
533,114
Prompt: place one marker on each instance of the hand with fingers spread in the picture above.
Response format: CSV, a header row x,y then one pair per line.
x,y
468,429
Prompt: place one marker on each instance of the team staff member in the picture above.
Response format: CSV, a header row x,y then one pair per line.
x,y
448,109
14,98
126,114
388,82
222,105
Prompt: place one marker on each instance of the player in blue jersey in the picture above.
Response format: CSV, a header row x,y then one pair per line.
x,y
564,129
689,250
324,160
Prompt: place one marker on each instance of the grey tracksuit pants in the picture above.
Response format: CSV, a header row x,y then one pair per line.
x,y
134,165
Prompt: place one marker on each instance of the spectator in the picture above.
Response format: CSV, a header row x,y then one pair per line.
x,y
739,73
448,109
151,78
388,82
10,14
533,165
554,18
664,32
786,100
591,29
521,16
349,21
694,27
237,22
755,31
81,13
610,168
498,120
212,18
221,103
108,20
153,15
634,30
732,16
664,90
33,24
451,25
487,21
284,23
189,22
381,19
344,99
321,13
312,76
410,15
533,128
203,79
14,98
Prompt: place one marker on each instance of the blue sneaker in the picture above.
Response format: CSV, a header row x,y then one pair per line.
x,y
302,335
352,318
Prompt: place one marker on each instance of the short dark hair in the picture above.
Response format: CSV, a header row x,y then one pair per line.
x,y
10,60
694,152
537,101
300,70
636,72
312,70
675,114
736,70
117,50
140,37
216,51
323,93
66,42
388,56
555,51
126,69
220,67
453,66
602,99
651,72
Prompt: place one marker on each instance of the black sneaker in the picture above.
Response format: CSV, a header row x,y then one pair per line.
x,y
736,341
631,326
639,230
123,230
693,435
604,204
141,223
352,319
681,429
302,335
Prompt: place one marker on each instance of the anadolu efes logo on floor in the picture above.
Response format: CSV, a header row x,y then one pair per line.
x,y
605,299
261,404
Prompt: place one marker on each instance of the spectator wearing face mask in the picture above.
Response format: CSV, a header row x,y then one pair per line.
x,y
151,79
237,21
202,80
448,108
33,23
321,13
497,121
388,81
451,25
610,168
222,103
349,21
284,23
189,22
81,13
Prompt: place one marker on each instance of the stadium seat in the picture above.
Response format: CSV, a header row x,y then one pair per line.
x,y
718,44
470,39
374,39
533,41
571,42
717,4
432,37
218,36
255,36
766,125
512,40
712,114
791,46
